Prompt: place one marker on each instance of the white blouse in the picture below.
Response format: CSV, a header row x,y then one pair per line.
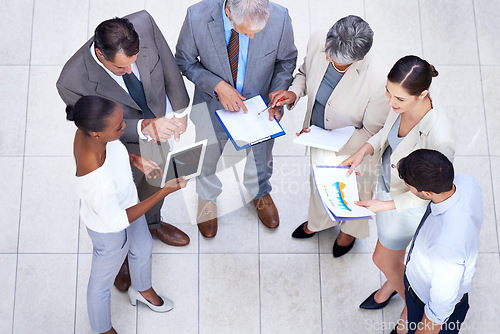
x,y
106,192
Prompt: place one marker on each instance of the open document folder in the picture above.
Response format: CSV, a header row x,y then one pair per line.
x,y
331,140
252,128
338,193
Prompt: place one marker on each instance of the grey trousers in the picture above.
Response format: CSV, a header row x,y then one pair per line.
x,y
258,167
109,253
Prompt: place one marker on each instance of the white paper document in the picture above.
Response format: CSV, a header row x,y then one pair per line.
x,y
338,193
332,140
251,128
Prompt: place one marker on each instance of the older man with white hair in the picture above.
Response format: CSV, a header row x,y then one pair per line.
x,y
233,50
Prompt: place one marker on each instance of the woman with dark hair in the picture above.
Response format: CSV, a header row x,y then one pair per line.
x,y
111,210
345,86
413,123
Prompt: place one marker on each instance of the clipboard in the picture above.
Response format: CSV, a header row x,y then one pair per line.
x,y
245,130
186,161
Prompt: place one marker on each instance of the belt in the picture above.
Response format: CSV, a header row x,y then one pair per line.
x,y
413,295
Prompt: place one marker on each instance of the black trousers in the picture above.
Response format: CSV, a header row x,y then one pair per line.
x,y
416,312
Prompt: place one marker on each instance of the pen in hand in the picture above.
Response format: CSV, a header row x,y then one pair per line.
x,y
280,99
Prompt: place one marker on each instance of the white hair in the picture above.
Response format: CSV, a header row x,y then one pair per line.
x,y
252,12
349,40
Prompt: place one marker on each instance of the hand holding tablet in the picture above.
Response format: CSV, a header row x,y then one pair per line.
x,y
185,162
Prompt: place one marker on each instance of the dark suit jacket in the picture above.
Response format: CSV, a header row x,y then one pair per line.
x,y
160,77
201,54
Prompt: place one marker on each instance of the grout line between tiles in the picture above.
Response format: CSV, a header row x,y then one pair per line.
x,y
420,26
22,169
320,290
79,223
485,121
77,266
199,277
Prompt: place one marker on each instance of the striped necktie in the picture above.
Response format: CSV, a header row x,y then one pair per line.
x,y
233,49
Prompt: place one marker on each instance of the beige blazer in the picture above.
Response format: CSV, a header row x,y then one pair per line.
x,y
434,131
359,98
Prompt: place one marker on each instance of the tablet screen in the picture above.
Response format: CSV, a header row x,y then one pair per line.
x,y
186,162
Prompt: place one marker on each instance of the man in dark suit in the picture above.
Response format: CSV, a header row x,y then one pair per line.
x,y
233,50
129,62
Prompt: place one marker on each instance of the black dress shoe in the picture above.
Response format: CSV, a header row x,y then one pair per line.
x,y
338,250
371,304
299,232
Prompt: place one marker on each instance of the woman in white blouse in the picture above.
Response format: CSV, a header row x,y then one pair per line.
x,y
111,210
413,123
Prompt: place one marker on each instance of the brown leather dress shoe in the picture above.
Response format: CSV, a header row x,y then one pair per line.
x,y
207,218
122,280
267,212
170,235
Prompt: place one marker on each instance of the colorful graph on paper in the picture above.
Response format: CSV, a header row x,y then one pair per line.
x,y
336,195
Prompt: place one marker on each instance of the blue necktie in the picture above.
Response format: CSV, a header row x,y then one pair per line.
x,y
136,91
426,214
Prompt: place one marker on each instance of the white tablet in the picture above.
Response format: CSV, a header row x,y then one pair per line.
x,y
186,162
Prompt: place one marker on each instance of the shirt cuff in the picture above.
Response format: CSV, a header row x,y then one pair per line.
x,y
181,114
139,131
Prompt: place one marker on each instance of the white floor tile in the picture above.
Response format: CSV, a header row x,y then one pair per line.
x,y
290,290
361,246
495,172
446,27
457,91
50,206
237,233
396,25
479,167
345,283
229,293
175,276
14,97
123,314
45,293
16,24
323,14
11,172
483,298
169,17
291,195
48,132
8,284
299,13
68,21
100,11
491,82
487,27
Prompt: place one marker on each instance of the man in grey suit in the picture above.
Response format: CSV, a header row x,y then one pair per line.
x,y
129,62
233,50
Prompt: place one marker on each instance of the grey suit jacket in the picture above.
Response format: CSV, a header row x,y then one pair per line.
x,y
160,77
201,54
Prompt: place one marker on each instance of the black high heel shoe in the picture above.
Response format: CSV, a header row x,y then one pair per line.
x,y
371,304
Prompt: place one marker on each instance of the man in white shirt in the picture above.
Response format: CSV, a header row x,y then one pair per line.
x,y
442,258
129,61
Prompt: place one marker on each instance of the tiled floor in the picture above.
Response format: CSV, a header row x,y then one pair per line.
x,y
248,279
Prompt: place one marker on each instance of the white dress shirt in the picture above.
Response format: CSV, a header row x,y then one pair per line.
x,y
443,259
